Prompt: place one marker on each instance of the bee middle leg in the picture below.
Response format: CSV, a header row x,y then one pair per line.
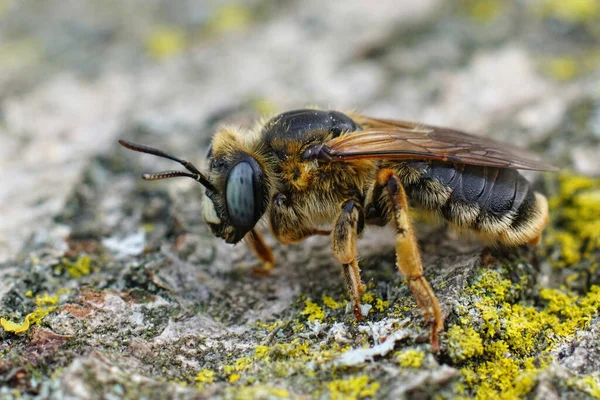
x,y
348,224
264,254
408,256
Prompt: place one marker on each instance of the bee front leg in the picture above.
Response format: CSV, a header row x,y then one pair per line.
x,y
408,256
343,240
262,251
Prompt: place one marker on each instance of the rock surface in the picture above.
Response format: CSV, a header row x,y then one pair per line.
x,y
112,287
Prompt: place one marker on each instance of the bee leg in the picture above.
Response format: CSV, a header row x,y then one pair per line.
x,y
343,242
262,251
408,256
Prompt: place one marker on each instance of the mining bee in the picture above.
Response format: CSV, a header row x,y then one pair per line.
x,y
315,172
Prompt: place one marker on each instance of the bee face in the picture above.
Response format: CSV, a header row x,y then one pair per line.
x,y
239,200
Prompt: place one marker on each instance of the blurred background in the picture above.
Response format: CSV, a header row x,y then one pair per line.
x,y
77,75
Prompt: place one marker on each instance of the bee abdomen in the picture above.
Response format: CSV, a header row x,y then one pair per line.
x,y
497,203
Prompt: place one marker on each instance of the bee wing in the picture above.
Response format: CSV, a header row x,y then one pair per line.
x,y
401,140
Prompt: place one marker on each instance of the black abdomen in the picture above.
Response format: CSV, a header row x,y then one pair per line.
x,y
484,199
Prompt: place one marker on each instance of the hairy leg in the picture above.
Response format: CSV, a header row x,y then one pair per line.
x,y
262,251
408,255
343,241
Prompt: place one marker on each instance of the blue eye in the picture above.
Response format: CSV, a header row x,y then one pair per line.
x,y
240,196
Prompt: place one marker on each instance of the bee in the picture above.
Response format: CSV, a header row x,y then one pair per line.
x,y
316,172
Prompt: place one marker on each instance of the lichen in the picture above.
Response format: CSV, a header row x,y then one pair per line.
x,y
463,343
410,358
483,10
230,18
78,269
205,376
589,384
45,305
260,392
575,231
502,344
165,41
357,387
331,303
571,11
313,311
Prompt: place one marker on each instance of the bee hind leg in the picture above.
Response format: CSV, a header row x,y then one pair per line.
x,y
408,257
262,251
349,222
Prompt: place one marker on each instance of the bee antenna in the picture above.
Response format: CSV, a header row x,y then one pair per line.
x,y
195,173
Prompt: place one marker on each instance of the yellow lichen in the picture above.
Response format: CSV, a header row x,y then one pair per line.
x,y
484,10
576,216
464,343
79,268
410,358
46,300
205,376
313,311
230,18
571,11
589,384
165,41
33,318
269,327
261,352
233,378
562,68
357,387
242,364
380,304
331,303
499,361
260,392
368,297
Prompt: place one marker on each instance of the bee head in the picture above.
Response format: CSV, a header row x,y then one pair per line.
x,y
240,196
236,189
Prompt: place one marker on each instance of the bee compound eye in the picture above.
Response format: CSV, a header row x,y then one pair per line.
x,y
240,195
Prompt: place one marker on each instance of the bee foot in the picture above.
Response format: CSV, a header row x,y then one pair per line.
x,y
264,270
